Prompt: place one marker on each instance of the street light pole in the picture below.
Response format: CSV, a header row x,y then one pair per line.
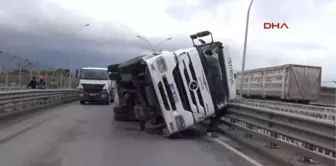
x,y
21,66
150,44
161,42
245,45
70,60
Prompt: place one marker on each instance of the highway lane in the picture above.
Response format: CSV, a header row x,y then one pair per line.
x,y
77,135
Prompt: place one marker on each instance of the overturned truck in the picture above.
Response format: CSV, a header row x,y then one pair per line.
x,y
173,91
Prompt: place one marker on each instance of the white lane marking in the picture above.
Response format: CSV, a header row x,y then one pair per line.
x,y
237,152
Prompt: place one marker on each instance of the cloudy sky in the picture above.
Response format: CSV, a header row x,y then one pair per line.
x,y
50,30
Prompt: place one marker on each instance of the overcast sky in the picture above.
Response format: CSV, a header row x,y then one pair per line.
x,y
47,30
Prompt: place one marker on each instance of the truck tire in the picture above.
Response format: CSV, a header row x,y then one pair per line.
x,y
165,133
107,102
120,110
82,102
121,117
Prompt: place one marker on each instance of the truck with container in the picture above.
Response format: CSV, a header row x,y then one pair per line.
x,y
290,82
94,85
173,90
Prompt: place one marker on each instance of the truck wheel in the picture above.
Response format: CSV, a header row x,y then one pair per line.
x,y
107,102
165,133
82,102
121,117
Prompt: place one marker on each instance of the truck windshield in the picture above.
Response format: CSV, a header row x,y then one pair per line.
x,y
93,74
213,67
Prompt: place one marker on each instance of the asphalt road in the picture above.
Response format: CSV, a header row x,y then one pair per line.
x,y
77,135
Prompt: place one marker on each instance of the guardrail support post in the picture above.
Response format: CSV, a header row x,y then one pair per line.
x,y
272,145
248,135
307,159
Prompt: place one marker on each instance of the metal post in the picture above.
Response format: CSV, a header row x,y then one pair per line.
x,y
245,45
7,77
150,44
20,77
147,41
46,79
161,42
70,58
61,80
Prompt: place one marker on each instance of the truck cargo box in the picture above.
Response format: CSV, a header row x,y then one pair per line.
x,y
286,82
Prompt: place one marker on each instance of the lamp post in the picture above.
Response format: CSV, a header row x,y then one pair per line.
x,y
161,42
150,44
245,45
70,60
21,66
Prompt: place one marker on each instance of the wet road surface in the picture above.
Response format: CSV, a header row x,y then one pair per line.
x,y
87,135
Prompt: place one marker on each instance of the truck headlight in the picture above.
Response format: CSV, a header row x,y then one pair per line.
x,y
161,64
103,95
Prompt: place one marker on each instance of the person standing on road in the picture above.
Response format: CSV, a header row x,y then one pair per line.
x,y
32,83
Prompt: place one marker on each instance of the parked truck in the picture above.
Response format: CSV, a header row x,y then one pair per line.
x,y
295,83
175,90
95,85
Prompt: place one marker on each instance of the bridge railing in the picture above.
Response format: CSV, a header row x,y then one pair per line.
x,y
320,112
17,102
312,137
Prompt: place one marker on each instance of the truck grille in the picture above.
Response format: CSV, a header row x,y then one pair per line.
x,y
193,74
181,89
92,87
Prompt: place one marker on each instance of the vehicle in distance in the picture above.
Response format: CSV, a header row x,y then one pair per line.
x,y
177,89
299,83
94,84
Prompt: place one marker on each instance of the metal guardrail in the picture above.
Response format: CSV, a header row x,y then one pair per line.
x,y
11,88
309,136
14,102
320,112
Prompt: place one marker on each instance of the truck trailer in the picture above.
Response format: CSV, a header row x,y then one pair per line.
x,y
290,82
175,89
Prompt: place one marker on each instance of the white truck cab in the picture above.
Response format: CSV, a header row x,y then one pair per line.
x,y
192,84
94,84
